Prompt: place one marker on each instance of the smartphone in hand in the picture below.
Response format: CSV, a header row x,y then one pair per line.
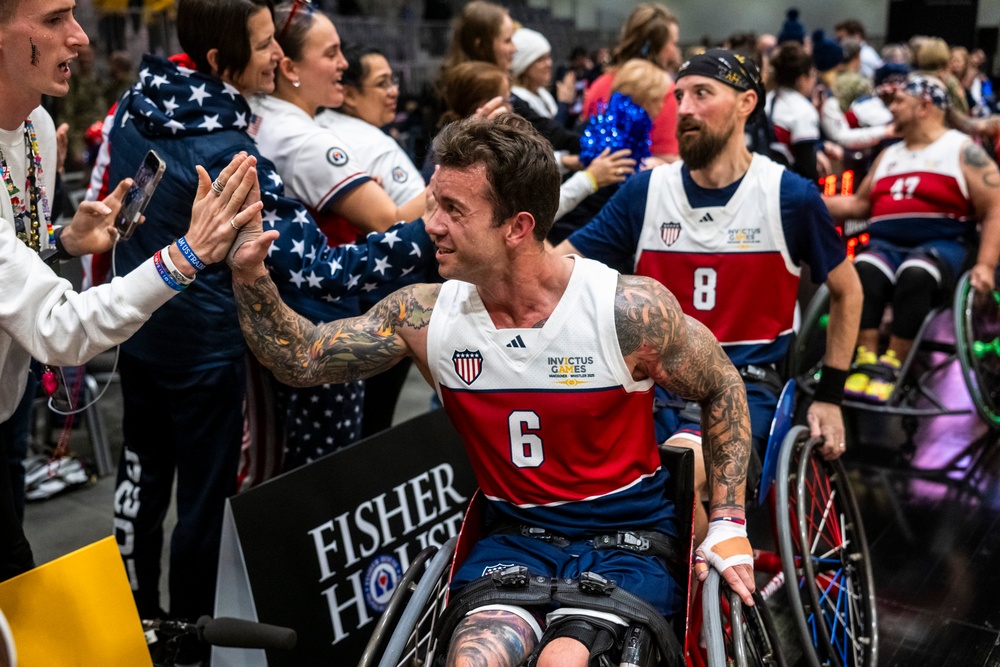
x,y
143,185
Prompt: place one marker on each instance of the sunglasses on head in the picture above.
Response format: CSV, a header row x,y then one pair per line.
x,y
305,5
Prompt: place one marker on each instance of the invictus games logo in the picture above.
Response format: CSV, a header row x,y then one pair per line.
x,y
381,578
670,232
468,365
744,236
336,156
399,175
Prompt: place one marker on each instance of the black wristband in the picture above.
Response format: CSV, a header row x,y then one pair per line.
x,y
59,254
830,388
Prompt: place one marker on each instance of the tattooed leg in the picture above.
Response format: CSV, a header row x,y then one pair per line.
x,y
492,638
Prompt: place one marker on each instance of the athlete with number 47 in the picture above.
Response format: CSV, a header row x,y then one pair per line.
x,y
545,365
726,231
922,198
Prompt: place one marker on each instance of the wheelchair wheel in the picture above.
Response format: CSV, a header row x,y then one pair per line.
x,y
825,557
739,635
423,590
977,342
809,346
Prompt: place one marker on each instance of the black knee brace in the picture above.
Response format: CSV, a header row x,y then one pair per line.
x,y
916,293
602,638
877,290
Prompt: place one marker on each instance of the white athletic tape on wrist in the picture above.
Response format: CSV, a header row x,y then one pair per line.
x,y
245,235
725,545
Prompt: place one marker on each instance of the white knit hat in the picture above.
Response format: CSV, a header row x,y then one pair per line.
x,y
531,46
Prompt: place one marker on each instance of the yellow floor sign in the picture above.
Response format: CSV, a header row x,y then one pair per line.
x,y
76,610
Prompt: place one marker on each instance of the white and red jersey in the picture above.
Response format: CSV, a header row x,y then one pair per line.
x,y
729,266
921,195
794,118
557,431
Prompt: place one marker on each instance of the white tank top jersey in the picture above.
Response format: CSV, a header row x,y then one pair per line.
x,y
919,196
715,259
556,429
795,119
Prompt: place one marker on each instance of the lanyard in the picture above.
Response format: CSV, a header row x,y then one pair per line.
x,y
27,220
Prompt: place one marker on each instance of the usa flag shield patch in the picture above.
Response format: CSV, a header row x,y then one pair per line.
x,y
468,365
669,232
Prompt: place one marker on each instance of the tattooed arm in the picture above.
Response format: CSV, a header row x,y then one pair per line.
x,y
983,180
301,354
680,354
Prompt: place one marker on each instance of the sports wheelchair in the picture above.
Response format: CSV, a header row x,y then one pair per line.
x,y
832,599
967,331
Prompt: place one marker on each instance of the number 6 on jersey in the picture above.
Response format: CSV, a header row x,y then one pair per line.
x,y
525,447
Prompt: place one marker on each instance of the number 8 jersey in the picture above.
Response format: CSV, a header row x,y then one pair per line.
x,y
557,431
728,266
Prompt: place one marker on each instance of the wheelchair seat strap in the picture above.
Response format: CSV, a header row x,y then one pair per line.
x,y
592,591
515,585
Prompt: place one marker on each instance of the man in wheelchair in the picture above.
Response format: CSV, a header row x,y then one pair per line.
x,y
546,366
726,231
922,199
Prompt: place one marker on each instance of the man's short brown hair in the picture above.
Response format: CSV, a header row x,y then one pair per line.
x,y
520,165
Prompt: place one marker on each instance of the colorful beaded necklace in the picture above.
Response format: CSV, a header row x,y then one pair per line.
x,y
27,220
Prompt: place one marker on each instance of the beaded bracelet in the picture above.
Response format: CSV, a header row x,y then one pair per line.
x,y
162,270
189,254
172,269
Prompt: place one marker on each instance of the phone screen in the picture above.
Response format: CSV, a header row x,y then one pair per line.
x,y
134,203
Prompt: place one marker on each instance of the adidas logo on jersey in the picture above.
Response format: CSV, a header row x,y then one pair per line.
x,y
517,342
707,218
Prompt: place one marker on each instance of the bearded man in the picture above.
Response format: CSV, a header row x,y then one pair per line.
x,y
726,231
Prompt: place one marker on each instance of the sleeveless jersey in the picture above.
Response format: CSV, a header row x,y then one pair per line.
x,y
920,196
557,431
729,266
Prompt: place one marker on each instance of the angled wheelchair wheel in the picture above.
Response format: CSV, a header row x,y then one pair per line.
x,y
825,558
977,342
406,632
736,634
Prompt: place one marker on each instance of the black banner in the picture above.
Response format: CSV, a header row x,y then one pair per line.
x,y
325,545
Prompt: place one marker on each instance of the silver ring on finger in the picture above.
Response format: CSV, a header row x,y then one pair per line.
x,y
217,187
232,223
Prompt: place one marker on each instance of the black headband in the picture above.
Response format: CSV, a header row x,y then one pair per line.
x,y
728,67
732,69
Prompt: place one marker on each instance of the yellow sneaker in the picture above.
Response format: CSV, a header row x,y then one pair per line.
x,y
884,379
857,381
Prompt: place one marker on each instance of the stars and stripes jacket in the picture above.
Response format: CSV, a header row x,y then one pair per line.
x,y
191,118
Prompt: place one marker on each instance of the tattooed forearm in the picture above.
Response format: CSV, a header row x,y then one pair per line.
x,y
491,639
302,354
682,356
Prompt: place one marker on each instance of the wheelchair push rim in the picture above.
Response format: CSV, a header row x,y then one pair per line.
x,y
836,577
738,636
977,342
